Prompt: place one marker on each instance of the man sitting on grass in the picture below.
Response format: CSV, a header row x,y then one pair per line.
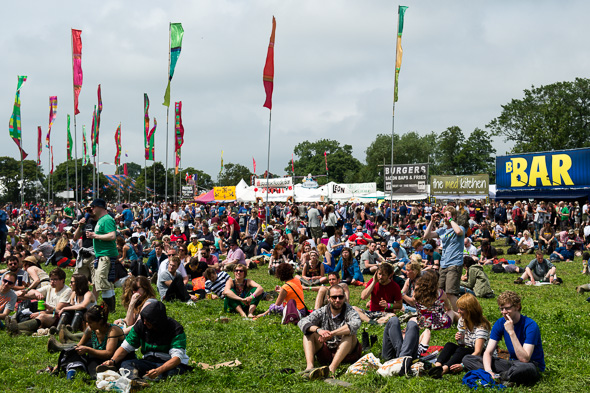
x,y
7,296
540,270
322,297
523,340
385,295
330,335
170,283
215,283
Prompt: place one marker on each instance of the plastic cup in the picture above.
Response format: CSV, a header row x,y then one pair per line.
x,y
41,305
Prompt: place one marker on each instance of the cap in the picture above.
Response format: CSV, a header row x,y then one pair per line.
x,y
395,245
99,202
428,247
571,232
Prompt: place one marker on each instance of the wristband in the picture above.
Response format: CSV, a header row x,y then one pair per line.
x,y
389,306
450,220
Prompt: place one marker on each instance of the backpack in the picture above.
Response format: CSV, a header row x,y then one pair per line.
x,y
518,215
498,268
291,313
475,379
513,250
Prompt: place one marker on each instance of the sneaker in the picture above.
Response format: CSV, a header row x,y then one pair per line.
x,y
519,280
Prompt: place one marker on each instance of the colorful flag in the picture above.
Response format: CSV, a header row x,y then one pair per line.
x,y
176,34
398,49
51,173
14,125
146,124
70,141
179,130
152,141
98,112
86,158
254,164
118,145
292,165
195,177
187,177
52,115
125,169
39,145
269,67
93,133
326,158
221,170
77,66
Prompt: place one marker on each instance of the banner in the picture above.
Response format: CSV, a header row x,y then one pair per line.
x,y
14,125
118,145
268,74
151,150
224,193
52,115
39,145
176,34
70,142
549,170
254,164
93,133
406,178
98,112
460,185
86,158
179,132
354,188
282,182
187,192
146,125
77,66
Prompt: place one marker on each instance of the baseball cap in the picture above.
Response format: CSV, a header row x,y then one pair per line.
x,y
428,247
395,245
99,202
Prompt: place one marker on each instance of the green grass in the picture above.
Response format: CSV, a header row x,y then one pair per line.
x,y
265,346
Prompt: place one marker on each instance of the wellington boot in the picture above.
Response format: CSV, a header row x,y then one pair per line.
x,y
28,327
53,346
77,322
111,302
65,319
66,336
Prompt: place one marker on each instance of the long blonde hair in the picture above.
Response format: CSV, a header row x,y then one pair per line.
x,y
61,243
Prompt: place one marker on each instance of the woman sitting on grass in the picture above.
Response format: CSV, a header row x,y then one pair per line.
x,y
137,294
313,271
475,280
328,259
351,272
414,269
291,290
37,276
472,338
81,300
242,294
278,257
488,253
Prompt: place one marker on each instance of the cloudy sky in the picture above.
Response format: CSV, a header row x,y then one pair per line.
x,y
334,69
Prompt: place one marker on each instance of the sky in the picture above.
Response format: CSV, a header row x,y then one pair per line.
x,y
334,71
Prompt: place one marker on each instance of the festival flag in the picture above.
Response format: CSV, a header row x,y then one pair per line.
x,y
52,115
39,145
14,125
176,34
292,165
398,49
118,145
221,170
70,141
125,169
179,130
77,66
146,125
98,112
151,150
326,158
51,172
269,68
93,133
187,177
254,164
86,158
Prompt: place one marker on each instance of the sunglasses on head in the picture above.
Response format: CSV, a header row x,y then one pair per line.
x,y
334,297
8,281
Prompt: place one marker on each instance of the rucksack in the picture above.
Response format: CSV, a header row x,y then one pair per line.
x,y
291,313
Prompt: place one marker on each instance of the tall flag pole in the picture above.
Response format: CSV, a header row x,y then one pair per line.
x,y
268,76
14,128
146,140
118,159
77,77
176,32
178,141
69,144
401,11
96,133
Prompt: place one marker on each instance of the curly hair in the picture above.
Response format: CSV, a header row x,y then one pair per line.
x,y
131,285
98,313
510,297
284,272
426,289
472,312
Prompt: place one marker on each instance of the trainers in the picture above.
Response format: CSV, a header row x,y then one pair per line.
x,y
519,280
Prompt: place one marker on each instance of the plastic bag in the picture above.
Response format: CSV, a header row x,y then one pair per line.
x,y
113,381
397,366
365,364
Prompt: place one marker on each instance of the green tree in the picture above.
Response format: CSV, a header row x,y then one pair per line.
x,y
233,173
447,157
134,170
343,167
477,154
10,180
551,117
66,170
157,171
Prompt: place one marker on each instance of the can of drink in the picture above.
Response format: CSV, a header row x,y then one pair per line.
x,y
209,296
277,288
461,340
41,305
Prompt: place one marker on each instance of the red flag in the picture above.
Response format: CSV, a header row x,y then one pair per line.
x,y
77,65
269,68
39,145
51,160
254,162
292,164
326,158
125,169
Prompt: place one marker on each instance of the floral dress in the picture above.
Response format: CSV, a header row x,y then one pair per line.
x,y
434,317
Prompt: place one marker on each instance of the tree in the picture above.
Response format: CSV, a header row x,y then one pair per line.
x,y
157,171
551,117
134,170
59,179
446,156
343,167
477,155
233,173
10,180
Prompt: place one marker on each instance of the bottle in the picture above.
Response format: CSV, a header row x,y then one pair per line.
x,y
71,374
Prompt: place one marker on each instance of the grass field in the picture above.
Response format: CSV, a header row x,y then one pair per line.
x,y
265,346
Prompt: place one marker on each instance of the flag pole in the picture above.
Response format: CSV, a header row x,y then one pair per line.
x,y
22,176
167,114
154,191
98,167
144,177
48,173
268,163
118,188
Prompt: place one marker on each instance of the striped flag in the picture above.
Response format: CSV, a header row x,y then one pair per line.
x,y
39,144
398,49
179,131
151,150
86,158
269,68
176,34
14,126
52,115
98,112
77,66
146,124
70,142
326,158
254,164
93,133
118,145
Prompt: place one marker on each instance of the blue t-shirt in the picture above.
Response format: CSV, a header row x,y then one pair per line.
x,y
221,210
452,247
527,332
128,215
567,254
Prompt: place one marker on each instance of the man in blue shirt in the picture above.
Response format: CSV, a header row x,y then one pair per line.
x,y
563,253
523,340
452,236
127,216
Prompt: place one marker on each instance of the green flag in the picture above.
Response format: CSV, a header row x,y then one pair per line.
x,y
70,142
176,34
398,49
14,126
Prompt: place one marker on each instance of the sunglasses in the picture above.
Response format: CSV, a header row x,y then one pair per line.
x,y
337,297
240,271
8,281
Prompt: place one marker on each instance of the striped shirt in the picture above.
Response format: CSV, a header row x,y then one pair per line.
x,y
471,336
218,285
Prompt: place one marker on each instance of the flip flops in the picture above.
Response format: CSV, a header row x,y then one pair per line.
x,y
319,373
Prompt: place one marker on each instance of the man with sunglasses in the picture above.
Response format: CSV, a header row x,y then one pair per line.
x,y
7,295
522,337
330,335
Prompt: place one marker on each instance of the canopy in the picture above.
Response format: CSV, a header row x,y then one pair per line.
x,y
206,198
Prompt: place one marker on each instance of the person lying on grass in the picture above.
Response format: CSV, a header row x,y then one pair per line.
x,y
329,334
471,338
385,295
242,294
163,344
291,290
522,337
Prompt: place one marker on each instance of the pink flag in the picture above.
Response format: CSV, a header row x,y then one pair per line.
x,y
77,65
292,164
254,162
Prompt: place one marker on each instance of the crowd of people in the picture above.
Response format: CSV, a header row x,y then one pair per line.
x,y
424,263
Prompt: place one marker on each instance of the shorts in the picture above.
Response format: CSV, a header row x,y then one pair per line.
x,y
101,275
450,279
366,270
325,355
288,231
316,232
86,267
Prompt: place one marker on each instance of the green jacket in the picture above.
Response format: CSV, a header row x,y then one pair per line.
x,y
478,281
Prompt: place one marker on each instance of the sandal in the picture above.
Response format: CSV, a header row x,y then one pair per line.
x,y
319,373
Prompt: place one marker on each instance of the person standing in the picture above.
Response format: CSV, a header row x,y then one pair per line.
x,y
315,223
452,236
105,250
3,233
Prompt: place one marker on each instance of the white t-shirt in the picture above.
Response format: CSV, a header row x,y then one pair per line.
x,y
53,298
